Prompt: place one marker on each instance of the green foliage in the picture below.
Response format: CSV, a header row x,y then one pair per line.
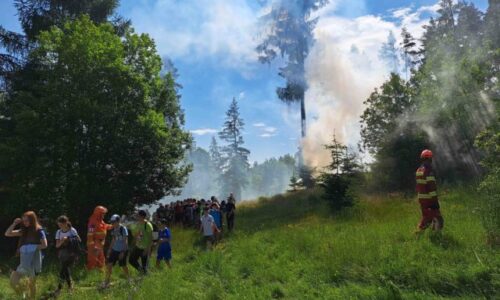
x,y
90,121
289,34
234,155
388,133
385,111
295,184
215,155
396,162
340,176
411,54
452,99
37,16
489,142
449,99
307,177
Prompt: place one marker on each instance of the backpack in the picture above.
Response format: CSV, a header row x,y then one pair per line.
x,y
74,245
122,228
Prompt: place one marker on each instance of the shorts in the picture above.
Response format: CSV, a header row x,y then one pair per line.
x,y
164,253
209,238
115,257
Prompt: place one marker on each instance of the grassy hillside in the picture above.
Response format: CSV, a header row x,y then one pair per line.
x,y
290,247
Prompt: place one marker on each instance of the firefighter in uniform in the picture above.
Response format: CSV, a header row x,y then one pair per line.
x,y
96,236
427,194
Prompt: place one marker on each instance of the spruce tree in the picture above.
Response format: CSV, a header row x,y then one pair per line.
x,y
389,53
234,156
289,34
340,176
410,52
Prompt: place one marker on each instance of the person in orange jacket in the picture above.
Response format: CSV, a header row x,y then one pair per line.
x,y
427,194
96,236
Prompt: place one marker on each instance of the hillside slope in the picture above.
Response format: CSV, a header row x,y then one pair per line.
x,y
291,247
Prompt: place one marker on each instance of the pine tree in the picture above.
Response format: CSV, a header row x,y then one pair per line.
x,y
410,52
337,153
216,160
234,156
389,53
215,155
491,23
289,34
339,176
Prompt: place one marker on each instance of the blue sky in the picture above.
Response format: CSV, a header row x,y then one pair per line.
x,y
211,42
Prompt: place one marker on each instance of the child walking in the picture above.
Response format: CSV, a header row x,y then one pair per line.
x,y
118,250
164,252
67,244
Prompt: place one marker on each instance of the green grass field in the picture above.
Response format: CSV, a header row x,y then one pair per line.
x,y
291,247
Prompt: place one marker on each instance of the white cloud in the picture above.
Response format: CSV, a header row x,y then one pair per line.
x,y
203,131
264,130
401,12
200,29
241,96
413,20
270,129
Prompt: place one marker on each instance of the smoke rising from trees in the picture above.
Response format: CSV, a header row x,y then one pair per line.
x,y
344,67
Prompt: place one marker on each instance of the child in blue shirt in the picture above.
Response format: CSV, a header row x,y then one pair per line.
x,y
217,215
164,251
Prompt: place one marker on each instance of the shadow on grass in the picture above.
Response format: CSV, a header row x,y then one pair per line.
x,y
443,240
278,211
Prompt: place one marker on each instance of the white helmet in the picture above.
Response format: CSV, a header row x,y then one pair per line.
x,y
114,218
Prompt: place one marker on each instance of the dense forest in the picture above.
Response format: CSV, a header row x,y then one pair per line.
x,y
443,94
90,115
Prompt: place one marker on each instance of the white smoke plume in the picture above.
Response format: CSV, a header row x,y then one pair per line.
x,y
342,69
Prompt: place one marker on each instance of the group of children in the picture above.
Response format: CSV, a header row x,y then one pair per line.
x,y
206,215
145,238
140,232
33,239
189,211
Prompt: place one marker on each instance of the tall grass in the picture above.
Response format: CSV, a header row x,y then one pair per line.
x,y
292,247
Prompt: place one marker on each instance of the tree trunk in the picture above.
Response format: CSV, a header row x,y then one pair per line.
x,y
303,115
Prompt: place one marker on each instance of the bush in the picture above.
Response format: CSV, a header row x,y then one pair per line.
x,y
489,142
338,191
490,208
